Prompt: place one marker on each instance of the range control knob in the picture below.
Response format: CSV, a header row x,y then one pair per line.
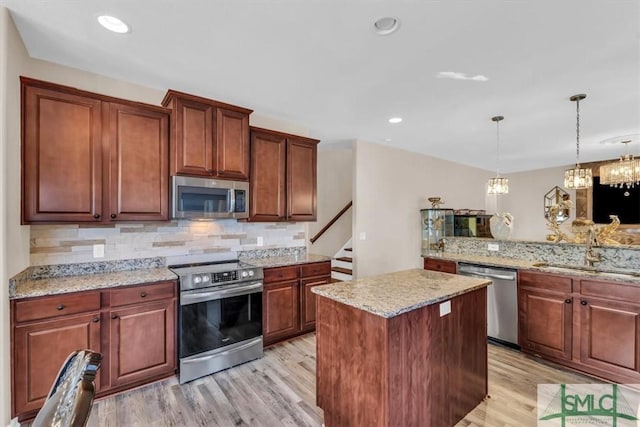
x,y
197,279
251,273
205,278
244,274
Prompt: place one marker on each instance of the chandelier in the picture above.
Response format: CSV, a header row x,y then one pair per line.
x,y
498,185
626,171
578,178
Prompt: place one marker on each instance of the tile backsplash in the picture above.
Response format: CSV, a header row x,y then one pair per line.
x,y
65,244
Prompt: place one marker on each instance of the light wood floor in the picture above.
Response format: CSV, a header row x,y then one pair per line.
x,y
279,390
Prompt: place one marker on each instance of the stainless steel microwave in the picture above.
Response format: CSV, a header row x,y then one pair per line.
x,y
206,198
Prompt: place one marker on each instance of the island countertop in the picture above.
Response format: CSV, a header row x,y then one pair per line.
x,y
389,295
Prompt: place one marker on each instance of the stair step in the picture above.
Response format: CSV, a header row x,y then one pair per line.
x,y
348,249
342,270
333,280
345,259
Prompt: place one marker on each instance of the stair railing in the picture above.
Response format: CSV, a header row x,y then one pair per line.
x,y
330,223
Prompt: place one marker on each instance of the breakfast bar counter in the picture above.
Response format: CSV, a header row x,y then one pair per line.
x,y
401,349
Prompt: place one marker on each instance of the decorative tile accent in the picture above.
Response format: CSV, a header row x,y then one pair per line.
x,y
273,252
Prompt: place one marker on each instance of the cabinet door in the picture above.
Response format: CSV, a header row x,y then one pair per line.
x,y
39,349
193,145
545,322
308,301
62,156
268,171
610,336
141,342
301,180
232,144
280,311
138,141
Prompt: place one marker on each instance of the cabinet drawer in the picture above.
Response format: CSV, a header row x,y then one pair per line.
x,y
137,294
279,274
610,290
544,281
56,305
440,265
315,269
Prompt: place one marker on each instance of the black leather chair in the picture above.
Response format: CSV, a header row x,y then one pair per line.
x,y
70,400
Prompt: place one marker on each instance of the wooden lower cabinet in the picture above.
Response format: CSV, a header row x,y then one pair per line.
x,y
442,265
137,341
288,305
141,342
40,348
591,326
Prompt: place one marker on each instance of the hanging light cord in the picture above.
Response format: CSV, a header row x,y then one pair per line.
x,y
497,149
578,133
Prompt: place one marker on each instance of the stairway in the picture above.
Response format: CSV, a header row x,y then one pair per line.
x,y
342,263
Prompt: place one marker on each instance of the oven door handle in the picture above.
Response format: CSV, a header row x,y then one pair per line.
x,y
193,298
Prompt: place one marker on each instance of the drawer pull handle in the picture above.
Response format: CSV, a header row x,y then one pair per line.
x,y
143,294
583,302
113,215
114,316
60,306
568,300
96,216
95,319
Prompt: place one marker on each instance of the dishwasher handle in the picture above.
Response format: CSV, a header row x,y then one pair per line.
x,y
509,276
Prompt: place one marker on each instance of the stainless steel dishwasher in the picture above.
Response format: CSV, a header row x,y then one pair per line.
x,y
502,301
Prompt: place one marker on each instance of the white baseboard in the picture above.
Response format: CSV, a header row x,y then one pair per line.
x,y
13,423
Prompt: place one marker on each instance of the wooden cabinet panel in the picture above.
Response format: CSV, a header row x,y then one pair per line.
x,y
280,274
39,350
56,305
301,180
610,336
268,173
308,302
545,281
62,156
140,294
280,311
192,146
139,173
232,144
316,269
442,265
545,323
141,342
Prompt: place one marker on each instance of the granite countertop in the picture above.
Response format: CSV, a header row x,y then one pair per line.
x,y
632,277
60,285
389,295
282,261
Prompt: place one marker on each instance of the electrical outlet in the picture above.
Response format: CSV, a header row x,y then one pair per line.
x,y
98,251
493,247
445,308
259,241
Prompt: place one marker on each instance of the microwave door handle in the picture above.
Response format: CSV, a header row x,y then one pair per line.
x,y
232,200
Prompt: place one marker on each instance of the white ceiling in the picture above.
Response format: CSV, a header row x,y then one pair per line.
x,y
321,65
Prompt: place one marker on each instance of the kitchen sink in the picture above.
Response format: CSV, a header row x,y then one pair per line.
x,y
568,268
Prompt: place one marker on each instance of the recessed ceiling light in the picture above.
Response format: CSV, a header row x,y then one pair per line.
x,y
395,119
386,25
388,140
114,24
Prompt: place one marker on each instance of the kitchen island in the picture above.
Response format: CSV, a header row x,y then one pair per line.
x,y
401,349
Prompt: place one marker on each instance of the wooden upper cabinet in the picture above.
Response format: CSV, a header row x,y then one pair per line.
x,y
62,156
268,177
283,177
301,179
208,138
91,158
139,163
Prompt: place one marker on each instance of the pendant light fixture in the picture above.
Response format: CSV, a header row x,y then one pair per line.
x,y
623,172
498,185
578,178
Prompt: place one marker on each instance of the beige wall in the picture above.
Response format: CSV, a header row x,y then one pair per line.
x,y
525,201
390,188
335,190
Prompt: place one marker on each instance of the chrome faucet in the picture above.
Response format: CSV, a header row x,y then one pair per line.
x,y
440,244
591,256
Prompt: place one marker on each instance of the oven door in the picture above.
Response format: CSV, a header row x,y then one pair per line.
x,y
217,317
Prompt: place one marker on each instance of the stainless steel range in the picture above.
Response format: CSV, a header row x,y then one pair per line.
x,y
220,318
